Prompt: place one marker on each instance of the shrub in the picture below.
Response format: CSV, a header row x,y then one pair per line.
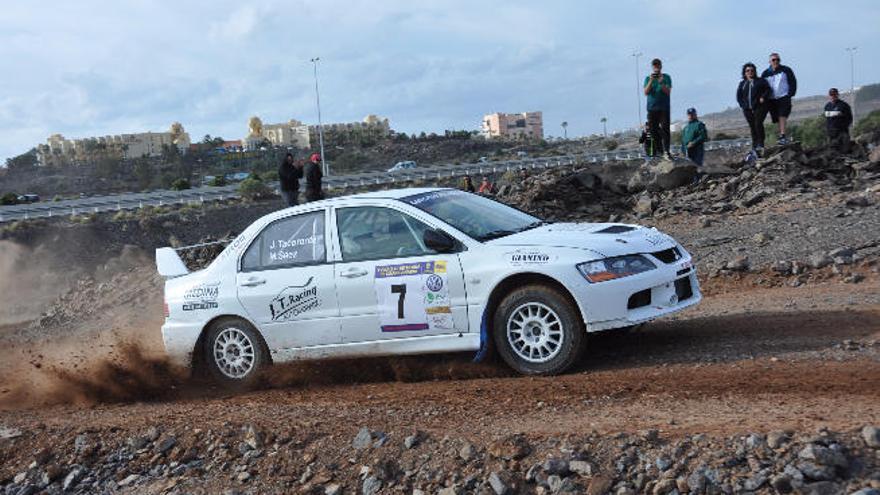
x,y
254,189
810,132
122,216
9,199
180,184
270,176
218,181
868,123
610,144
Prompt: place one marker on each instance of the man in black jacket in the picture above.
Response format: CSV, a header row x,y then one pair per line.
x,y
289,173
838,118
313,177
783,87
752,94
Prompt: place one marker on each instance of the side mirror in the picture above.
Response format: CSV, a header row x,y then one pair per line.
x,y
439,241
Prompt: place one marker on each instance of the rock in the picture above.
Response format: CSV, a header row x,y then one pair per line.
x,y
871,436
781,484
27,489
81,443
411,441
853,278
513,447
243,476
816,471
583,468
137,443
363,439
819,260
556,466
738,264
781,267
131,478
858,201
754,198
823,455
554,481
762,238
867,491
874,156
644,205
153,433
663,463
755,482
586,180
253,438
333,489
73,477
449,490
468,452
672,174
775,439
696,482
7,432
167,444
843,252
664,486
371,486
498,486
705,222
820,488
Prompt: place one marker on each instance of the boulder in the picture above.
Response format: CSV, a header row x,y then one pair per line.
x,y
672,174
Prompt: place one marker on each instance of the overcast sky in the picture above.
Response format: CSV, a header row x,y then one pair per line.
x,y
89,68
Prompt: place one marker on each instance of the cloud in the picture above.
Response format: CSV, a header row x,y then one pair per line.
x,y
92,68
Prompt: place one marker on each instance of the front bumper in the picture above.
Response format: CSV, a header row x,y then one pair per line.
x,y
632,300
180,341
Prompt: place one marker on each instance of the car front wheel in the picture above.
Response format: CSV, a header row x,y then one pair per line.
x,y
538,331
235,353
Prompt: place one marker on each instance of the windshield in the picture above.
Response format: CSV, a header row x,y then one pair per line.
x,y
476,216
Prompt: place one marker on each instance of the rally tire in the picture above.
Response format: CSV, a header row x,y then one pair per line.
x,y
538,331
234,354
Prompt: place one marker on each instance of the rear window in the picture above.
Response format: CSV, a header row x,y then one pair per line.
x,y
292,241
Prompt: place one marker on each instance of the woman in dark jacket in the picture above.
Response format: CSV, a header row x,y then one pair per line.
x,y
752,94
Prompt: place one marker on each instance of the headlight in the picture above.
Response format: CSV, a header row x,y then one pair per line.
x,y
612,268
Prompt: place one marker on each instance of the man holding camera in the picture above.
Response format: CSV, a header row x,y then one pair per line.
x,y
658,87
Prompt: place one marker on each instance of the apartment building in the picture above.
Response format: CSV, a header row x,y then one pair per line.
x,y
61,151
526,125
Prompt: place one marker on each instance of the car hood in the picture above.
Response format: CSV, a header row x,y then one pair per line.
x,y
606,239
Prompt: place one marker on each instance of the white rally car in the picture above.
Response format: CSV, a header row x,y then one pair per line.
x,y
417,271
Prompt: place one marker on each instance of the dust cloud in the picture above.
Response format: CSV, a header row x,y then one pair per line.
x,y
26,285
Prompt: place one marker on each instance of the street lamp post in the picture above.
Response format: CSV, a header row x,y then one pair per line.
x,y
320,125
637,55
852,77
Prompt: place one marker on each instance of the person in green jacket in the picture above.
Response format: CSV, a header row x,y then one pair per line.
x,y
693,137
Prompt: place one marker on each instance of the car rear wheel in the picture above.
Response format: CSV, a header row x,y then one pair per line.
x,y
235,353
538,331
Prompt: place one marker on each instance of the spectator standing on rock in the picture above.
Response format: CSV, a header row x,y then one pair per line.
x,y
783,87
658,87
313,175
838,118
468,184
752,94
694,137
289,173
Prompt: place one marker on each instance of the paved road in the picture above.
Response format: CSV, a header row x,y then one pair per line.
x,y
130,201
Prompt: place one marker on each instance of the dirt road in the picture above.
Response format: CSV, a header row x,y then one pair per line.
x,y
744,362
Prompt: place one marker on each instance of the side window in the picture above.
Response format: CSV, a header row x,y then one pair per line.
x,y
370,233
292,241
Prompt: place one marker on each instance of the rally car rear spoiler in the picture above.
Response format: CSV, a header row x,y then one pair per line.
x,y
169,263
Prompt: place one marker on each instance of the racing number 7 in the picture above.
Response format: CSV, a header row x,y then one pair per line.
x,y
399,289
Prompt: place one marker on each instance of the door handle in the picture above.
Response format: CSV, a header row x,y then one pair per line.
x,y
253,282
354,272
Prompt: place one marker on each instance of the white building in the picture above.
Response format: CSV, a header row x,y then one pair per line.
x,y
291,133
60,151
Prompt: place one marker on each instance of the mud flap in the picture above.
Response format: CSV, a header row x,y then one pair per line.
x,y
484,338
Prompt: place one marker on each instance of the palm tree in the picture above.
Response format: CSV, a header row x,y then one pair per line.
x,y
565,130
604,128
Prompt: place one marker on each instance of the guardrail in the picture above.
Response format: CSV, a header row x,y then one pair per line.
x,y
200,195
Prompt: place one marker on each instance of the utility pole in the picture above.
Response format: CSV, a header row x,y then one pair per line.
x,y
852,78
637,55
320,125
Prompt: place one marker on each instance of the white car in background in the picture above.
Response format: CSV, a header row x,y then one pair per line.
x,y
400,166
417,271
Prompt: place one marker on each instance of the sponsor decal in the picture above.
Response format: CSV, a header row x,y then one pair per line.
x,y
234,246
434,283
656,239
294,300
413,296
521,257
202,296
425,199
288,250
